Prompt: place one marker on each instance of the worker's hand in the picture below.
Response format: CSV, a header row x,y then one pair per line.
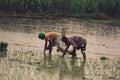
x,y
45,50
63,51
64,54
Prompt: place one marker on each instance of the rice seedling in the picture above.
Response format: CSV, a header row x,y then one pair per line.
x,y
103,58
3,46
31,64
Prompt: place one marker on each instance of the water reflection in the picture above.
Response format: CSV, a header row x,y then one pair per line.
x,y
71,69
46,25
47,60
3,54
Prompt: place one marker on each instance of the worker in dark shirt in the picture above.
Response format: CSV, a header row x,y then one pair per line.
x,y
77,43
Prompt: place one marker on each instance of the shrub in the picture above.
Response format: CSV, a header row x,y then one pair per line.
x,y
103,58
3,46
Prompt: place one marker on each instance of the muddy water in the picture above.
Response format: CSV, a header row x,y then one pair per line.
x,y
25,60
103,40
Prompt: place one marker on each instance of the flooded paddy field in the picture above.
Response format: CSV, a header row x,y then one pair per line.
x,y
25,60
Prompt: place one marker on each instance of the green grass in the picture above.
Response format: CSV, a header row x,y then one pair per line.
x,y
104,21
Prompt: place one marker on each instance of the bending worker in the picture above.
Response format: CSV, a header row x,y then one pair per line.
x,y
53,38
77,42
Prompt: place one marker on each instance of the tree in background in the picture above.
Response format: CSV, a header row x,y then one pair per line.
x,y
65,8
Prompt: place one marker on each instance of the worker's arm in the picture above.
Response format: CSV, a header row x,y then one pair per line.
x,y
45,46
73,53
74,45
66,49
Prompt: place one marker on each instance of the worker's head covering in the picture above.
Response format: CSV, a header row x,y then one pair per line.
x,y
41,35
65,40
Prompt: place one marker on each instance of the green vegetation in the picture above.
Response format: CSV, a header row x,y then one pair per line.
x,y
24,65
3,46
103,58
3,49
70,8
115,21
